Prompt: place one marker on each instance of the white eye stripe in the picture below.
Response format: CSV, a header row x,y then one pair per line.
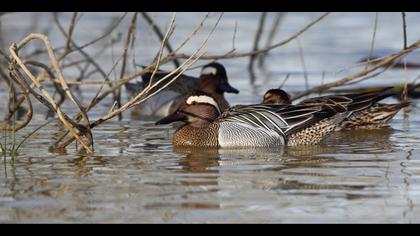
x,y
203,99
209,71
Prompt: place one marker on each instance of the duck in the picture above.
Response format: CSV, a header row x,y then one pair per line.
x,y
365,113
255,125
213,80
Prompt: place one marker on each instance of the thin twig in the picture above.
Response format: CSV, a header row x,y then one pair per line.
x,y
270,38
56,83
302,61
357,75
404,29
405,91
385,68
95,100
322,81
139,97
67,122
373,40
29,113
263,50
106,34
162,45
131,30
70,32
284,81
234,35
160,35
193,33
257,38
80,49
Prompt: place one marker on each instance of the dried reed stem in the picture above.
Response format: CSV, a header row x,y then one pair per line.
x,y
257,38
270,38
161,37
372,44
131,30
405,91
18,102
383,62
143,95
263,50
14,48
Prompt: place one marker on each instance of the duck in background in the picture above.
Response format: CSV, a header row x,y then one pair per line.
x,y
364,113
213,80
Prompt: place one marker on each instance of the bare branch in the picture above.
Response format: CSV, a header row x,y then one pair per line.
x,y
352,77
373,40
263,50
162,45
70,32
302,61
256,43
273,31
67,122
404,29
161,37
131,30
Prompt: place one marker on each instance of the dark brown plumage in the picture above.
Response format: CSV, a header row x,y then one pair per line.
x,y
364,110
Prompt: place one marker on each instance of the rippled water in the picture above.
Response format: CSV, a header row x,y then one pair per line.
x,y
136,175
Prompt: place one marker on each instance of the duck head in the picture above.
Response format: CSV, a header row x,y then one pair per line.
x,y
197,110
213,79
277,96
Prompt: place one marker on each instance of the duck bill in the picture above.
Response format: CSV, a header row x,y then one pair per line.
x,y
226,87
171,118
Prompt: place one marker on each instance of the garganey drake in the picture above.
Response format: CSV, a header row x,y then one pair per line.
x,y
258,125
213,80
364,112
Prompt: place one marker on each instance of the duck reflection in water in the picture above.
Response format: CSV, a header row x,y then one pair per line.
x,y
210,159
198,159
198,163
363,141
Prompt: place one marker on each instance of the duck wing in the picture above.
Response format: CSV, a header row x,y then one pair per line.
x,y
353,101
281,120
182,84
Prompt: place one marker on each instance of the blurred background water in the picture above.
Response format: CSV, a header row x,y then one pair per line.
x,y
136,175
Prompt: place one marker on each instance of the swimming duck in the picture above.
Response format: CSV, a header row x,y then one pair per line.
x,y
257,125
365,113
213,80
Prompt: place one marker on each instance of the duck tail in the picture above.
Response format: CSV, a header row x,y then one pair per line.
x,y
385,112
364,100
399,106
148,75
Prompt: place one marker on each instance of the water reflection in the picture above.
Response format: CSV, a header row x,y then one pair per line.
x,y
198,160
354,141
304,152
152,176
284,184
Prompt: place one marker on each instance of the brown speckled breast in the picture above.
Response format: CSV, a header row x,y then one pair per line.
x,y
191,136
